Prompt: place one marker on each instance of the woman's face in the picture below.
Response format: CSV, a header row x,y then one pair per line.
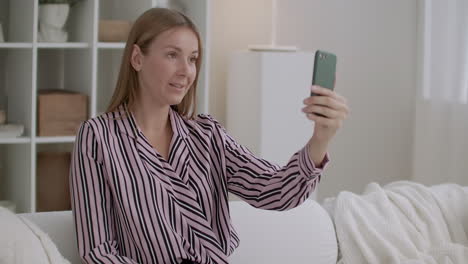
x,y
167,71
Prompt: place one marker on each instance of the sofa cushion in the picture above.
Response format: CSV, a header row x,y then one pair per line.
x,y
304,234
301,235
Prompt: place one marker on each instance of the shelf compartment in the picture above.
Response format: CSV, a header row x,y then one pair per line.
x,y
123,9
16,17
67,69
79,25
15,176
116,16
108,71
15,83
52,177
55,146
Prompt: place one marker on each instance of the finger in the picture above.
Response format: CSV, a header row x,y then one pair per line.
x,y
327,92
341,111
323,121
327,112
322,91
325,101
341,98
320,100
344,105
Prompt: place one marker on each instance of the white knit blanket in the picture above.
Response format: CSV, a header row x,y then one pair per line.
x,y
403,222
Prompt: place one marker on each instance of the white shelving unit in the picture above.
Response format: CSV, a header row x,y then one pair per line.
x,y
83,64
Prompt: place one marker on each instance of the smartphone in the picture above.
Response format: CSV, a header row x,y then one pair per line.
x,y
324,70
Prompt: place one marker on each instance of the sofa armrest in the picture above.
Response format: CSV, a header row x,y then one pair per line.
x,y
59,226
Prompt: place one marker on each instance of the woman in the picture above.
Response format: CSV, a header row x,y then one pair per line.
x,y
150,181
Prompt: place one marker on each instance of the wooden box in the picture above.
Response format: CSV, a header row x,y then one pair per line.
x,y
60,112
52,185
114,30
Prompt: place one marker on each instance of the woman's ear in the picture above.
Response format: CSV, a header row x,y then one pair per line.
x,y
137,58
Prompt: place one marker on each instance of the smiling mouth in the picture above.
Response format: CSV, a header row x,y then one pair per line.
x,y
178,86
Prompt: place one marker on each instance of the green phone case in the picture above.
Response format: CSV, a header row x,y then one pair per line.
x,y
324,69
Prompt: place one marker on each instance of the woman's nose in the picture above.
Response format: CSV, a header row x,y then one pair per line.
x,y
184,67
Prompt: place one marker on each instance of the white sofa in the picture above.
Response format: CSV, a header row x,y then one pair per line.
x,y
301,235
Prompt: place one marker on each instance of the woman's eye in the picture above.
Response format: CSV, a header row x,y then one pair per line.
x,y
172,55
193,59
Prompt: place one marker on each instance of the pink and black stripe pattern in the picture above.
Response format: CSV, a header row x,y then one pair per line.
x,y
131,205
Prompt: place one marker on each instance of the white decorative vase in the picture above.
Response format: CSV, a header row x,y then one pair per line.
x,y
52,18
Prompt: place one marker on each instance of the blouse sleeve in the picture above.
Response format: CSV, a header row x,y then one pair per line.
x,y
92,203
264,184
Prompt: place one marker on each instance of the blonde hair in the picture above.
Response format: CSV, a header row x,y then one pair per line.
x,y
145,29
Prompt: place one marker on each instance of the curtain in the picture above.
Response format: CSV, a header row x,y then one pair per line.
x,y
440,151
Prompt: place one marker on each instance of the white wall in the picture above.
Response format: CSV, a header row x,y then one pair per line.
x,y
234,25
375,41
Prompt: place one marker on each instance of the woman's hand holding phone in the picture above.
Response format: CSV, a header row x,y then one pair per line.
x,y
333,108
324,106
328,110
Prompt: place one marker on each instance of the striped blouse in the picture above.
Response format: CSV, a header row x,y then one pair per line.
x,y
130,205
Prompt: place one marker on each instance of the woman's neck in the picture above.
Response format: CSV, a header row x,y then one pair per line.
x,y
151,118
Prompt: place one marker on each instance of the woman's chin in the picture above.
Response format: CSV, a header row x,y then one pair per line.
x,y
175,101
175,98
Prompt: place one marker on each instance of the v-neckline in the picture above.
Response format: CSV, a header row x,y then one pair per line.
x,y
171,143
169,150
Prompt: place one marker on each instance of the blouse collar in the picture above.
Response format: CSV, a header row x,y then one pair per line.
x,y
127,124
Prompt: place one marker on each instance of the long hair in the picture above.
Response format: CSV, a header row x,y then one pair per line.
x,y
145,29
